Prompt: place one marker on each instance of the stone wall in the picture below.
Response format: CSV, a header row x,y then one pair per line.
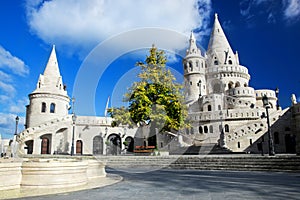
x,y
48,173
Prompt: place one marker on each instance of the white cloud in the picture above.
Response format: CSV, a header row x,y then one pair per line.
x,y
7,124
285,10
5,76
12,63
83,24
292,9
7,88
19,106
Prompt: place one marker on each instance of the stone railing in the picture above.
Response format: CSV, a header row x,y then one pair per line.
x,y
226,114
226,68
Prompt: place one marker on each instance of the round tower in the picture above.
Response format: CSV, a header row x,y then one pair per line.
x,y
224,72
194,72
50,99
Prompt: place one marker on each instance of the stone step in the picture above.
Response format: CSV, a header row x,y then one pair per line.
x,y
244,163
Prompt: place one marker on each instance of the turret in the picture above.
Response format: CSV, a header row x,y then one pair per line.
x,y
194,72
50,99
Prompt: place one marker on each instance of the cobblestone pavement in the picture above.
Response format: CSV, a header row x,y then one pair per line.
x,y
192,184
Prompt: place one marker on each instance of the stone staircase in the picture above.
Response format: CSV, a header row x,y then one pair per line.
x,y
279,163
204,149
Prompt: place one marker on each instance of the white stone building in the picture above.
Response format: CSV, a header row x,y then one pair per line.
x,y
223,109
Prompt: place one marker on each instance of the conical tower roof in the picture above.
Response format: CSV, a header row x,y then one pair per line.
x,y
51,81
51,73
218,41
193,49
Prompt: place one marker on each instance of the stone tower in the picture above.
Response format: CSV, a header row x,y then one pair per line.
x,y
194,72
50,99
225,75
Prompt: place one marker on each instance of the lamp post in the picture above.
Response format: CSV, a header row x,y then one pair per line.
x,y
17,122
199,84
277,101
73,126
267,106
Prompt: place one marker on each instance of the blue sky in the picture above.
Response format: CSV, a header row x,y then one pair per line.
x,y
264,32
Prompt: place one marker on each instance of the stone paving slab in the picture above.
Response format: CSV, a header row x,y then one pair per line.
x,y
166,184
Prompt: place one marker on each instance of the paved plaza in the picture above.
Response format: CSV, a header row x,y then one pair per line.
x,y
192,184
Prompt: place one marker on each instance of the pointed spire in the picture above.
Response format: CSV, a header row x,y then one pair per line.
x,y
218,41
52,65
218,46
193,49
51,80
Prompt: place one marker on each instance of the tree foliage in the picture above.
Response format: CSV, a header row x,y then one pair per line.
x,y
155,99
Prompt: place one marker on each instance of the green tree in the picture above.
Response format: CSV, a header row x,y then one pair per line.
x,y
155,100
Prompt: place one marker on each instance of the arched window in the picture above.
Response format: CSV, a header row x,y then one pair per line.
x,y
226,128
217,88
209,108
216,62
211,130
52,108
205,129
239,145
200,129
191,66
219,107
230,62
43,107
237,84
230,84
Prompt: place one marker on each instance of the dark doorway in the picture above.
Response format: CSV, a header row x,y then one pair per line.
x,y
29,147
98,145
45,146
130,142
290,143
79,147
114,144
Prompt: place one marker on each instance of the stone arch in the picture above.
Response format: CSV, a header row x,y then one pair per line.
x,y
46,141
226,128
29,146
98,145
114,143
130,142
79,147
44,107
230,85
52,108
205,129
191,66
209,107
200,129
217,88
